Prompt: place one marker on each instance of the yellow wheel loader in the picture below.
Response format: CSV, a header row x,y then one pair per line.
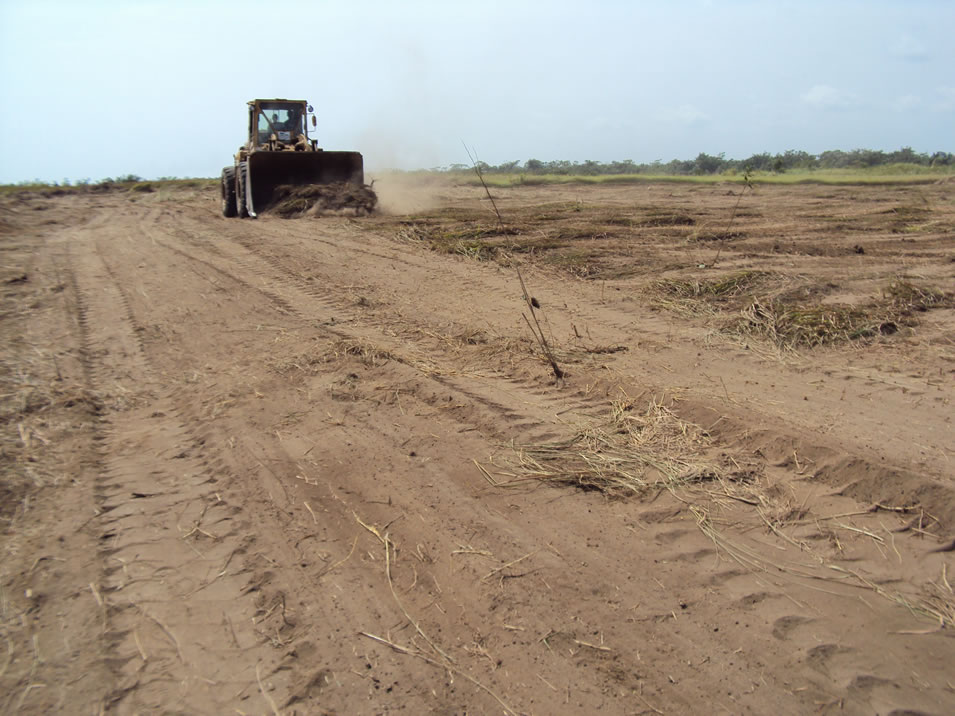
x,y
279,157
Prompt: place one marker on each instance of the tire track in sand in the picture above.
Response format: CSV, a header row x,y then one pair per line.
x,y
175,594
491,391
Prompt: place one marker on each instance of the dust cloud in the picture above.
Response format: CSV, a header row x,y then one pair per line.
x,y
407,193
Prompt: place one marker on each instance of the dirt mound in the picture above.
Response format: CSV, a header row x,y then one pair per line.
x,y
291,201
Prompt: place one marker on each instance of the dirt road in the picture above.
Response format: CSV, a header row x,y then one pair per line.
x,y
321,465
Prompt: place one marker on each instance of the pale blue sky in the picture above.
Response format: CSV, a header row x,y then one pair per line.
x,y
96,88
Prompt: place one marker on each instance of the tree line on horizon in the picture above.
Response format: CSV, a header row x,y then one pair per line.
x,y
709,164
704,164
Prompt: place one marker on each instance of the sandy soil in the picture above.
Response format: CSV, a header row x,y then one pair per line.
x,y
322,466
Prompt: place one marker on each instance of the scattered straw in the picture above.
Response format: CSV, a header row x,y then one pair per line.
x,y
96,596
938,598
509,564
446,661
546,682
265,694
587,644
168,633
310,511
342,561
139,645
935,600
389,547
629,453
412,652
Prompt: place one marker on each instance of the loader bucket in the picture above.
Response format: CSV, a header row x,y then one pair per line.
x,y
268,170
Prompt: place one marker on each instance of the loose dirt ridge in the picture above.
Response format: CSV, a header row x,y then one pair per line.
x,y
320,466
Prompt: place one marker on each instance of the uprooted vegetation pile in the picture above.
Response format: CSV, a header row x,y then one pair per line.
x,y
291,201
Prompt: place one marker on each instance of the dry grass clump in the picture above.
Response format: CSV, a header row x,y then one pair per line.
x,y
469,242
717,289
485,348
375,356
587,241
15,482
478,242
906,218
457,338
705,235
785,318
907,296
808,326
629,453
582,352
694,297
24,395
313,362
366,353
587,262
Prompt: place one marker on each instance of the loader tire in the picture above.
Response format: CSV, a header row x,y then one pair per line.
x,y
229,206
241,180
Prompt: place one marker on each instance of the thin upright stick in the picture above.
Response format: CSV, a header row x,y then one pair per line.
x,y
477,170
539,334
747,184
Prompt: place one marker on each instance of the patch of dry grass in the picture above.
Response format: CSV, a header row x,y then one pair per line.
x,y
770,308
907,296
579,239
717,289
808,326
632,451
367,353
706,297
481,242
316,361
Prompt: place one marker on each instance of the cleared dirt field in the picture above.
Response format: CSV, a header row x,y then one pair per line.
x,y
322,465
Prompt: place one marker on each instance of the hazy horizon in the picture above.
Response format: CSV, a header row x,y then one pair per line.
x,y
106,88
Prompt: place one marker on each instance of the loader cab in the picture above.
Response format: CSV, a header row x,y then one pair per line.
x,y
283,118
